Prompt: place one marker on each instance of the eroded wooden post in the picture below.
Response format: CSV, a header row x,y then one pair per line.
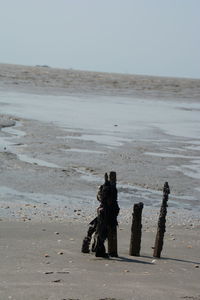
x,y
136,230
87,240
104,226
161,222
112,241
112,227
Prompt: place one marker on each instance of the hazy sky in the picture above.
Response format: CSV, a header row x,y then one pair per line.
x,y
154,37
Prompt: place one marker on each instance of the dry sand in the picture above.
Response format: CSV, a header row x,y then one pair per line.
x,y
45,209
33,266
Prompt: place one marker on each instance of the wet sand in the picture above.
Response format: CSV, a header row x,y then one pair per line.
x,y
49,178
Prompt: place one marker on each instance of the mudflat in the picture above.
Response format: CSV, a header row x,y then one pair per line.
x,y
61,130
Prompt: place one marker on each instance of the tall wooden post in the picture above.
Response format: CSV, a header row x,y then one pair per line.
x,y
136,230
112,241
161,222
112,228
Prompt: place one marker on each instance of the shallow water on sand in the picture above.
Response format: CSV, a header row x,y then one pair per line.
x,y
111,122
111,115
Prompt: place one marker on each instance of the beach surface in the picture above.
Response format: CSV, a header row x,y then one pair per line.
x,y
61,130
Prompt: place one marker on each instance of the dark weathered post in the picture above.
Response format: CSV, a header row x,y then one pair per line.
x,y
87,240
136,230
104,226
112,228
112,241
161,222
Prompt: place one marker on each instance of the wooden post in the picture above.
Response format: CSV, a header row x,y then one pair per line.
x,y
161,222
112,229
112,241
136,230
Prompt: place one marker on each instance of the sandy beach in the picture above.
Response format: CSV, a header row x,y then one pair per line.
x,y
61,130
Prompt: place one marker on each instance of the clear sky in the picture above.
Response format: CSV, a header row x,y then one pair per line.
x,y
153,37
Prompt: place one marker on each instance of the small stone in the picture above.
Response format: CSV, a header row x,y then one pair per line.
x,y
126,271
60,253
48,272
57,233
63,272
57,280
196,266
153,261
46,255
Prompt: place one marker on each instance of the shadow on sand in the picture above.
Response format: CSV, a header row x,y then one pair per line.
x,y
131,260
174,259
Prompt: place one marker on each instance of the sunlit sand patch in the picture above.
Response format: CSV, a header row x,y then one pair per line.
x,y
84,151
105,139
35,161
170,155
192,170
